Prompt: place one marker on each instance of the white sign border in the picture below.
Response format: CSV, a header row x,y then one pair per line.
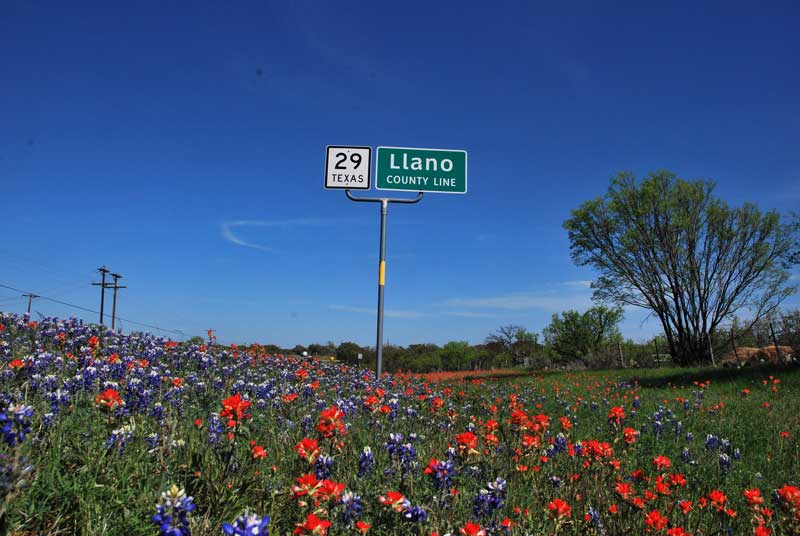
x,y
369,167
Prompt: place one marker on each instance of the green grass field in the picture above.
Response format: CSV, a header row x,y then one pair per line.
x,y
96,427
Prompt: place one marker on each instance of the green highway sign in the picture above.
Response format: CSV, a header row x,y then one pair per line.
x,y
421,170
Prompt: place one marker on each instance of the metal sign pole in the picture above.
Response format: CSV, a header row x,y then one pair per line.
x,y
381,281
381,266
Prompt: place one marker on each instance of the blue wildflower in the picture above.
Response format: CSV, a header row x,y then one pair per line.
x,y
366,462
172,512
247,525
15,423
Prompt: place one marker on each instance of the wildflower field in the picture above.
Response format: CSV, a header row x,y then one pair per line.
x,y
105,433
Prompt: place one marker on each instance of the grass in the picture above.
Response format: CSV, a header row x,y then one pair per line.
x,y
80,485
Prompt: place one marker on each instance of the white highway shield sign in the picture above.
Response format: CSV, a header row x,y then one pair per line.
x,y
348,167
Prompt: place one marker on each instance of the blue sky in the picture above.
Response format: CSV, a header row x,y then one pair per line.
x,y
184,148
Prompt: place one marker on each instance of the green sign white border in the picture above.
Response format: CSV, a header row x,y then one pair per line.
x,y
466,169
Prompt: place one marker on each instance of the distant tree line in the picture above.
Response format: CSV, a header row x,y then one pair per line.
x,y
572,339
663,244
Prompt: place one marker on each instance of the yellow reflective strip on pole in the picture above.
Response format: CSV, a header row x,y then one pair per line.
x,y
382,273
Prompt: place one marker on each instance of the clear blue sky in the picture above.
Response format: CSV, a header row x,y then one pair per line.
x,y
182,145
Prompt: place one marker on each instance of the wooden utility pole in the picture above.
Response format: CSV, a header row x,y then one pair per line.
x,y
30,297
115,286
102,284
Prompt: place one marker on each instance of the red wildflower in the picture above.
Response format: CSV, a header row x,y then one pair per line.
x,y
630,435
761,530
677,531
467,442
717,499
655,520
109,398
753,496
790,494
662,488
259,452
363,527
616,414
559,508
330,422
16,364
313,525
329,490
306,485
685,506
472,529
566,424
661,462
394,499
308,449
234,409
677,479
624,489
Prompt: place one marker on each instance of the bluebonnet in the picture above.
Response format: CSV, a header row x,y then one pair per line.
x,y
594,517
416,514
724,462
366,462
215,429
323,466
47,419
172,512
15,423
442,472
307,424
247,525
490,499
152,440
119,438
14,474
352,507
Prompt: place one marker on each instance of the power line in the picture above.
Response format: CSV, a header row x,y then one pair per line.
x,y
41,297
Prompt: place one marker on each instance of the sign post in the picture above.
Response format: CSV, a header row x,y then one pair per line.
x,y
381,267
397,168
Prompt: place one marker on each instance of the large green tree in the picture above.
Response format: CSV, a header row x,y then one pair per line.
x,y
514,341
670,246
583,336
